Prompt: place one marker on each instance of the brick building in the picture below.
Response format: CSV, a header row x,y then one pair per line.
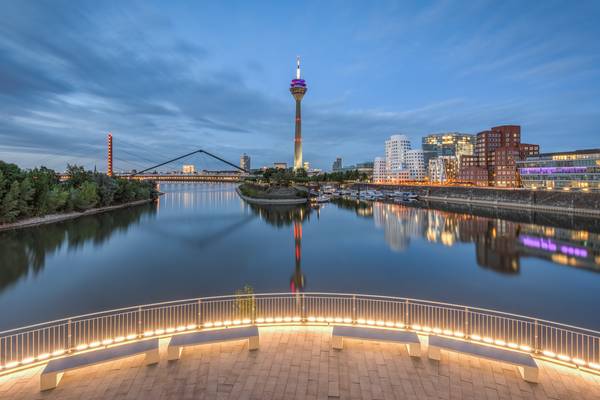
x,y
496,154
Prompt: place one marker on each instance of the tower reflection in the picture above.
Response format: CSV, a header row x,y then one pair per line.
x,y
283,216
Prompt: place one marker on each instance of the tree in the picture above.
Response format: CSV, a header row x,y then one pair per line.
x,y
43,180
85,197
77,175
107,187
3,186
56,199
10,203
26,194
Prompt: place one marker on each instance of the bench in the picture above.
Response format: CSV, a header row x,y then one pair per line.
x,y
54,370
410,339
525,363
178,342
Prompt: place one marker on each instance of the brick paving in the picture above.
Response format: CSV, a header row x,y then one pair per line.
x,y
298,363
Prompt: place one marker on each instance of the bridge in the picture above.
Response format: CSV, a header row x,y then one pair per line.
x,y
207,176
204,176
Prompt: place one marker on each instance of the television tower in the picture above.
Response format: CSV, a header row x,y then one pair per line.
x,y
109,169
298,89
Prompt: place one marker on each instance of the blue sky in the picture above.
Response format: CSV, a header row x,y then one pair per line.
x,y
168,77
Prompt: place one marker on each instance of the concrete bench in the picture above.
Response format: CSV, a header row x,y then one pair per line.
x,y
410,339
525,363
54,370
178,342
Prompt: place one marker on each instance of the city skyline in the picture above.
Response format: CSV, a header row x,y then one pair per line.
x,y
158,77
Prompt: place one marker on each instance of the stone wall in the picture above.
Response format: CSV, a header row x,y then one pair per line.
x,y
562,199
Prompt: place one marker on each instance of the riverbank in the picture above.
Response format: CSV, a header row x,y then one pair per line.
x,y
552,201
265,201
272,194
53,218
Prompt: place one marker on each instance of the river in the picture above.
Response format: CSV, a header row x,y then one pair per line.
x,y
201,239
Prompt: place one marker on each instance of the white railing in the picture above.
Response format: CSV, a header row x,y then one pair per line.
x,y
40,342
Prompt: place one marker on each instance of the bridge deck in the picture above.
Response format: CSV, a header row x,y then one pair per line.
x,y
298,363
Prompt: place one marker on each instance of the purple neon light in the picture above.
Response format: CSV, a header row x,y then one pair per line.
x,y
549,245
296,84
552,170
538,243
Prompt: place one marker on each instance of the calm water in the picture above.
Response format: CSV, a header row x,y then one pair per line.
x,y
201,240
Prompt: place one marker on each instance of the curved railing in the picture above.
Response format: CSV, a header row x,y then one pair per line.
x,y
38,343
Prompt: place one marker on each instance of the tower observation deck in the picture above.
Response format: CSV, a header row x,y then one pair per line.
x,y
298,90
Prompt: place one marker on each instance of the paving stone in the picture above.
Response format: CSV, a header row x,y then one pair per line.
x,y
298,363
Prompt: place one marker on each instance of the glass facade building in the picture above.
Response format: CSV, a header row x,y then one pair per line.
x,y
447,144
578,169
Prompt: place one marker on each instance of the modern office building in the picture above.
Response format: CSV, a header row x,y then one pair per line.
x,y
506,173
401,163
337,165
188,169
298,90
280,165
362,168
415,164
395,151
245,162
579,169
494,161
447,144
443,169
379,169
306,165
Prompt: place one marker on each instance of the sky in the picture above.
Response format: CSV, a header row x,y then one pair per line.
x,y
169,77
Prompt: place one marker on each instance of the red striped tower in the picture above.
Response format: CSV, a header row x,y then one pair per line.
x,y
110,155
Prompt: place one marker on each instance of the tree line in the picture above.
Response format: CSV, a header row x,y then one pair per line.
x,y
286,176
38,192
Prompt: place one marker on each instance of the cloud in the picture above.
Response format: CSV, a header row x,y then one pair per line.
x,y
71,72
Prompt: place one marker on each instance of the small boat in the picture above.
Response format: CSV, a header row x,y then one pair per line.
x,y
321,199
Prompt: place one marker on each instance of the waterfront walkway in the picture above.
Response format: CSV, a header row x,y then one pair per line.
x,y
298,363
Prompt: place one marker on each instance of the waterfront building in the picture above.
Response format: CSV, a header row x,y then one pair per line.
x,y
505,163
579,169
443,169
415,164
363,168
401,163
447,144
395,152
245,162
298,90
188,169
337,165
280,165
379,169
496,154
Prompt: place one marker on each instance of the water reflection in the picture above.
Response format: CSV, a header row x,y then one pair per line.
x,y
499,243
281,216
25,251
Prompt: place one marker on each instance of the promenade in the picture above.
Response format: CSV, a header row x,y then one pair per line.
x,y
297,362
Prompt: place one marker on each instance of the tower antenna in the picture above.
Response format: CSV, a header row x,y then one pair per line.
x,y
298,69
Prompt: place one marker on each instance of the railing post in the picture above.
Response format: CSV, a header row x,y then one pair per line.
x,y
69,343
407,317
140,333
303,305
199,316
466,322
536,345
253,313
354,309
